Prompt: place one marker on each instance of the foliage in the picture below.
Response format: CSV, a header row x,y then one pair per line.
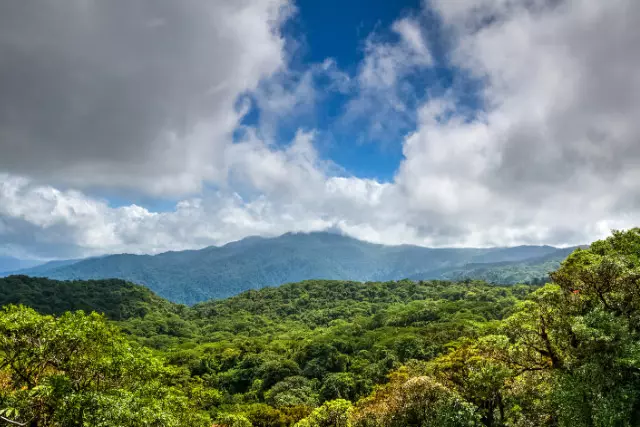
x,y
232,420
299,345
334,413
335,353
568,355
116,299
413,401
78,370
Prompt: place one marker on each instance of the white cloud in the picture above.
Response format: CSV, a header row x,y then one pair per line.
x,y
413,42
554,157
290,96
380,107
137,95
280,173
283,190
386,63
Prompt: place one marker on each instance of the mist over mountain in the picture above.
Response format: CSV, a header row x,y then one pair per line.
x,y
8,263
252,263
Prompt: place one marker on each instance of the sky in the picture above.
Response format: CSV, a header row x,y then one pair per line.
x,y
152,125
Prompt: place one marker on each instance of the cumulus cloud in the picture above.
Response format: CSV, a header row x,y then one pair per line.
x,y
271,191
552,156
130,94
291,96
41,221
382,106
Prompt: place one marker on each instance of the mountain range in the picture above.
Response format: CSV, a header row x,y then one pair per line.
x,y
221,271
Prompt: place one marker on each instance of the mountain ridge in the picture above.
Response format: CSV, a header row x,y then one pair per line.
x,y
221,271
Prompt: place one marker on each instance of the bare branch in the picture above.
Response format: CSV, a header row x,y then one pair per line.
x,y
16,423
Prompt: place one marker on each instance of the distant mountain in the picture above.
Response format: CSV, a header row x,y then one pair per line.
x,y
8,263
507,272
43,269
252,263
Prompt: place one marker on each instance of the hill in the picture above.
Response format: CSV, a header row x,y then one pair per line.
x,y
117,299
252,263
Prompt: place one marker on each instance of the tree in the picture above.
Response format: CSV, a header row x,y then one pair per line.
x,y
293,391
478,377
334,413
77,370
338,386
418,401
273,371
568,355
232,420
582,334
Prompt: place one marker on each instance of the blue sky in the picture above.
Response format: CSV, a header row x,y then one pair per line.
x,y
339,30
316,32
174,125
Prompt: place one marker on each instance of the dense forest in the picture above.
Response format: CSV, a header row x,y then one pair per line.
x,y
331,353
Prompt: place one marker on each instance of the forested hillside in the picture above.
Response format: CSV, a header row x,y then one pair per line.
x,y
253,263
116,299
520,271
337,353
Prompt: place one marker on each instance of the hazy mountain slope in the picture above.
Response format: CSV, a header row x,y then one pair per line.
x,y
252,263
41,269
517,253
506,272
8,263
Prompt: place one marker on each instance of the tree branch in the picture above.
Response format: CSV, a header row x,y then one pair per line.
x,y
16,423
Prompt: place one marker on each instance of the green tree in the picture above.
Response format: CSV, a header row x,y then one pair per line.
x,y
334,413
340,385
76,370
293,391
232,420
418,401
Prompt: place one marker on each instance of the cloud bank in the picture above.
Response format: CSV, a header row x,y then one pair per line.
x,y
146,97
